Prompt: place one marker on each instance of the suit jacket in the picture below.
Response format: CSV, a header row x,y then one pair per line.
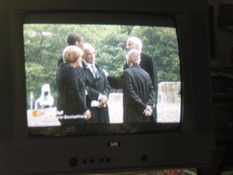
x,y
96,86
71,91
148,64
138,92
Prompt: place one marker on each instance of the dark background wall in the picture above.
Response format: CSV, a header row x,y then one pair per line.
x,y
221,59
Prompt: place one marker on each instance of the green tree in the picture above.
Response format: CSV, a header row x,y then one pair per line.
x,y
44,44
161,43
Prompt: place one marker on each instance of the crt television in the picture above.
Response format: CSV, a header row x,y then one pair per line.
x,y
174,32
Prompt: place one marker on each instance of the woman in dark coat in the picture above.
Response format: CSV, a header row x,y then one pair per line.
x,y
71,89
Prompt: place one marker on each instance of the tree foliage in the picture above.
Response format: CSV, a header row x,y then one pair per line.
x,y
44,44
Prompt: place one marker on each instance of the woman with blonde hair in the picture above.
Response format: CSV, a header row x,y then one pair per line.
x,y
71,90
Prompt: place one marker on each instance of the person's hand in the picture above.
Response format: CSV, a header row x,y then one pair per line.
x,y
87,114
105,72
148,111
102,105
103,100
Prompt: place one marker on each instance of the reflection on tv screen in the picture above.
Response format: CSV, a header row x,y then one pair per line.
x,y
124,86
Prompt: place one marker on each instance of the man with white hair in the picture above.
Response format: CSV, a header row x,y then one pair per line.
x,y
147,63
97,86
139,95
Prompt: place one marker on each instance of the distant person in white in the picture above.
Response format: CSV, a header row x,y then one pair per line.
x,y
45,100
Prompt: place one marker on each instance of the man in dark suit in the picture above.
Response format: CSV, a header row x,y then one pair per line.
x,y
73,40
97,86
138,91
147,63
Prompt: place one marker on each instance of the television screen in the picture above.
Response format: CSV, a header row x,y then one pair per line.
x,y
44,44
172,129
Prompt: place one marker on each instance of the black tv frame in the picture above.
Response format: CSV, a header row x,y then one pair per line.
x,y
190,146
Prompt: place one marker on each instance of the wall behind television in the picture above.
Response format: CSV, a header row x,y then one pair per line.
x,y
221,32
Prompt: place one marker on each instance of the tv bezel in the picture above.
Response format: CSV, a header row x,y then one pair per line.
x,y
190,146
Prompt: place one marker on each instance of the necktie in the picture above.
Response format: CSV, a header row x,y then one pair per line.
x,y
93,71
